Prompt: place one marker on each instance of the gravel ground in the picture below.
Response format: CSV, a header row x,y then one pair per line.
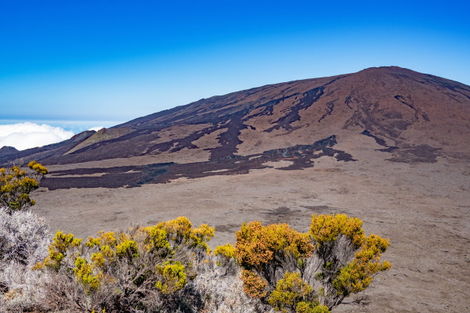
x,y
424,208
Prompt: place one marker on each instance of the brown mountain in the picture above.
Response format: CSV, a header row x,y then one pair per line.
x,y
413,117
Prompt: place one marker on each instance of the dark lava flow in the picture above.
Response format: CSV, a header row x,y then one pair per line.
x,y
133,176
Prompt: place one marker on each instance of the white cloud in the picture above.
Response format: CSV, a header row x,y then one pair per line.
x,y
29,135
97,128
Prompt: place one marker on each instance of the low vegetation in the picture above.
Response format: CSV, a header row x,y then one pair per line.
x,y
169,267
16,184
24,238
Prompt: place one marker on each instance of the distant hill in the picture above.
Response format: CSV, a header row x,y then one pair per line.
x,y
5,150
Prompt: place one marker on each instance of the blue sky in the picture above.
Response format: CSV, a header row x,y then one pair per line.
x,y
78,64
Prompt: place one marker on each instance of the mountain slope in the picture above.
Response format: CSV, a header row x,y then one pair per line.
x,y
413,117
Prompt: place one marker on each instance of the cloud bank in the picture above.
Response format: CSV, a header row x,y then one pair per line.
x,y
29,135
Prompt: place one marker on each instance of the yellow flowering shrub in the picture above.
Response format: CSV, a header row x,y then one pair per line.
x,y
158,261
253,284
58,249
310,307
178,229
155,257
38,167
289,291
261,250
84,272
173,277
127,248
325,228
227,251
201,235
257,244
155,238
16,184
358,274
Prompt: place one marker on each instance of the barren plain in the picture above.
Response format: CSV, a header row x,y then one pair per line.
x,y
423,208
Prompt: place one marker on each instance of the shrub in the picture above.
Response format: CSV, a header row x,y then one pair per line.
x,y
281,266
16,184
24,238
228,251
253,285
309,307
327,228
173,277
358,274
289,291
257,244
180,231
58,249
134,270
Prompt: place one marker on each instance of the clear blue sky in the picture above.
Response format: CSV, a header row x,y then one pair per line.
x,y
117,60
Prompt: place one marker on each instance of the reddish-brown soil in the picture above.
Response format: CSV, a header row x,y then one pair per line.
x,y
413,116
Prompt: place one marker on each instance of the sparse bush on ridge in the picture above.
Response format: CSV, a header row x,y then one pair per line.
x,y
168,267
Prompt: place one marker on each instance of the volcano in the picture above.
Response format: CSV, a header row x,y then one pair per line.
x,y
413,117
